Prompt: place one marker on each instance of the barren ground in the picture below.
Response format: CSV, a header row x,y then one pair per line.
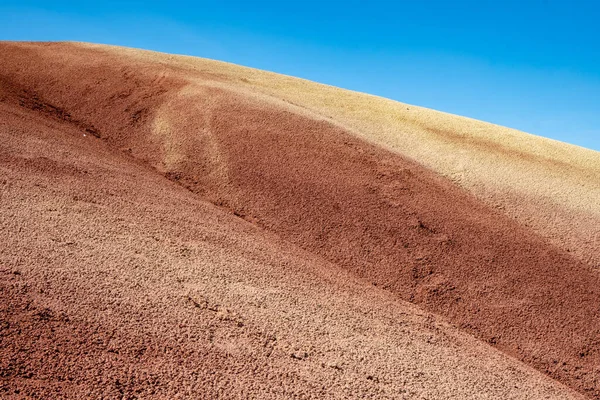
x,y
171,228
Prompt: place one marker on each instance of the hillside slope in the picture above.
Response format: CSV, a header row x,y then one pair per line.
x,y
117,283
319,201
550,186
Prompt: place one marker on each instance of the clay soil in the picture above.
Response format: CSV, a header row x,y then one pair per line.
x,y
168,230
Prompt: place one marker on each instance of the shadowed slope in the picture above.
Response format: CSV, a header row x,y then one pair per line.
x,y
314,183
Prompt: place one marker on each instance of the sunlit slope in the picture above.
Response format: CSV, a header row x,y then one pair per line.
x,y
550,186
318,185
116,282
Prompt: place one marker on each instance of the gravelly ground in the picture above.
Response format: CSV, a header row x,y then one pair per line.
x,y
202,241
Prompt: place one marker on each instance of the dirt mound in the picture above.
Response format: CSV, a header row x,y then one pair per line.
x,y
303,177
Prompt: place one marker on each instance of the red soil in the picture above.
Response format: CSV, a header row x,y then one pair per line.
x,y
381,216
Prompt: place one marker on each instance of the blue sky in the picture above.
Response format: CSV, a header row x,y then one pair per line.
x,y
533,65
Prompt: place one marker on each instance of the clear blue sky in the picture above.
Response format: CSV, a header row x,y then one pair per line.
x,y
533,65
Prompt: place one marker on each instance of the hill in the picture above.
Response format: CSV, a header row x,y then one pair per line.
x,y
181,225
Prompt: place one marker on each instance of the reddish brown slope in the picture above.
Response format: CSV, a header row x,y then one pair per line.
x,y
377,214
117,283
